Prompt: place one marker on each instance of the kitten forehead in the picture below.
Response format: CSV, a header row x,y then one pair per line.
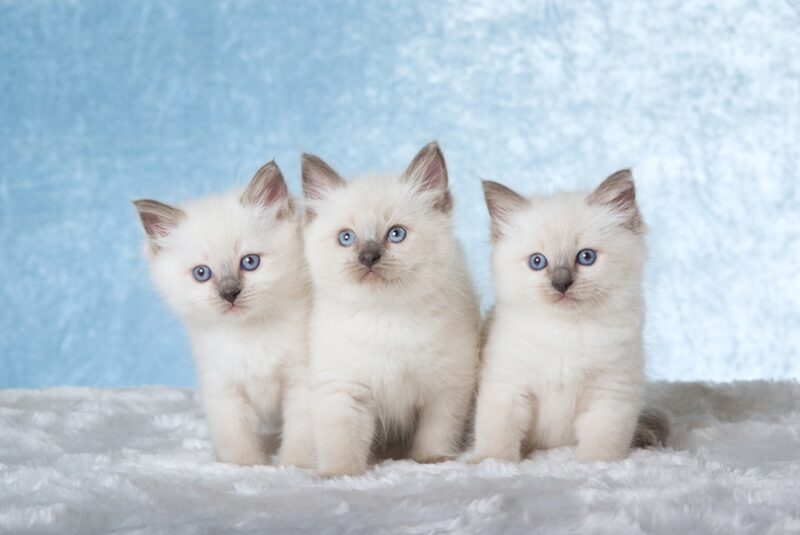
x,y
565,218
221,227
372,201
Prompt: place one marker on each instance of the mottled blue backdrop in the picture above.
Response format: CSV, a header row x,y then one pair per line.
x,y
104,102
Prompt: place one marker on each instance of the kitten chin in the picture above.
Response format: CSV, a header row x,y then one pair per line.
x,y
563,359
394,329
232,268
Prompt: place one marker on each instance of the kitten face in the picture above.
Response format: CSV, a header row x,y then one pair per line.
x,y
224,258
567,250
377,234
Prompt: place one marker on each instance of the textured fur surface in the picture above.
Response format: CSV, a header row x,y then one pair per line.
x,y
394,345
251,354
83,460
563,361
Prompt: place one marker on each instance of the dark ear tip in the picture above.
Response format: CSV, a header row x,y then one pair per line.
x,y
488,187
623,174
493,189
143,204
269,167
307,157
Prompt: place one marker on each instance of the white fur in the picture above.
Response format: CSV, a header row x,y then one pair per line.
x,y
250,359
393,348
559,372
136,460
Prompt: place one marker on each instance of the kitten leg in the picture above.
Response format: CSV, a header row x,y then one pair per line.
x,y
504,416
440,426
605,430
344,426
234,429
297,437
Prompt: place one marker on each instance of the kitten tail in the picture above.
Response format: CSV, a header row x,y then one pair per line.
x,y
652,429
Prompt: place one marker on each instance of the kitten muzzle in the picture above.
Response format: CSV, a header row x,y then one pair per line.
x,y
561,279
370,253
229,290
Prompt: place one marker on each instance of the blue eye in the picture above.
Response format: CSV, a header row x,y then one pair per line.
x,y
250,262
586,257
201,273
537,261
347,238
396,234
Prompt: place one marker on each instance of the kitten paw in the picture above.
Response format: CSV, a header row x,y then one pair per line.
x,y
476,458
433,458
244,458
297,461
591,455
332,472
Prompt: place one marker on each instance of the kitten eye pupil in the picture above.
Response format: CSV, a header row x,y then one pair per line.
x,y
587,257
396,234
250,262
537,261
201,273
347,238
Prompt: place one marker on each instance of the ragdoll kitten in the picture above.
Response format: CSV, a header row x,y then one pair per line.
x,y
563,357
394,328
232,268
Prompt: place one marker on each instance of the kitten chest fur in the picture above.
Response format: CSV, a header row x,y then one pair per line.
x,y
250,359
401,357
561,361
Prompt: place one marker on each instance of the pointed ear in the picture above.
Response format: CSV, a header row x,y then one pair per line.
x,y
502,203
618,192
158,219
268,188
428,172
319,178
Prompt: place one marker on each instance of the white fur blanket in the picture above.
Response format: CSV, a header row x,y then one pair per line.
x,y
85,460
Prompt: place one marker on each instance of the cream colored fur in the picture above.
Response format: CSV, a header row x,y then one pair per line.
x,y
564,369
396,349
251,355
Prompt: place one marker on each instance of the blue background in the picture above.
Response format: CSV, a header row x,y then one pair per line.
x,y
104,102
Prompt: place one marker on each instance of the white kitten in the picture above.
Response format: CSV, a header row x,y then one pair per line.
x,y
563,359
232,268
394,329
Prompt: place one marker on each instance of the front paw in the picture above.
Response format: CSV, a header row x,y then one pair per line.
x,y
243,457
478,457
432,458
341,467
329,472
297,459
594,453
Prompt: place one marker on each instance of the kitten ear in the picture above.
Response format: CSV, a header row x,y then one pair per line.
x,y
428,172
618,192
319,178
268,188
158,219
502,203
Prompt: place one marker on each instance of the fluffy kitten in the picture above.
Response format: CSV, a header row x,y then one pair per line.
x,y
563,357
394,329
232,268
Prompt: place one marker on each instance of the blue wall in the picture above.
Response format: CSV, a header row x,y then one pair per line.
x,y
104,102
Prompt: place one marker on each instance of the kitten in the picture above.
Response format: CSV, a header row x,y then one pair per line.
x,y
563,358
394,327
232,268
